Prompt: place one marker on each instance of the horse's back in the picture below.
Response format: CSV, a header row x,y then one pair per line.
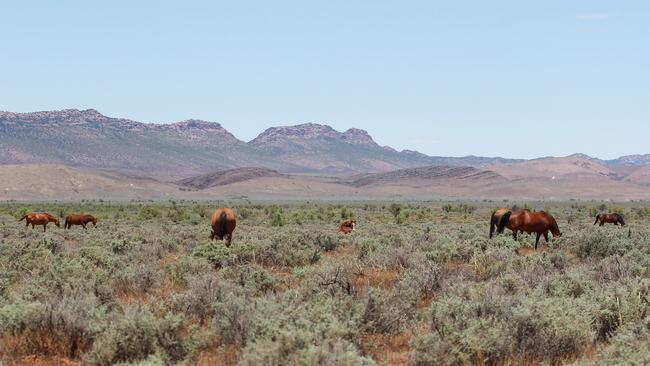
x,y
231,222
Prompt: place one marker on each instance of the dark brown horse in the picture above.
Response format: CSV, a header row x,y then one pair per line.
x,y
348,226
79,219
35,219
529,222
611,218
223,224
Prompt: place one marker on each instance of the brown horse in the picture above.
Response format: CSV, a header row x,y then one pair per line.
x,y
529,222
496,218
79,219
39,219
348,226
223,224
611,218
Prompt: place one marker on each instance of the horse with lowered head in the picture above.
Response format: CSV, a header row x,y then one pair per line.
x,y
79,219
348,226
529,222
611,218
223,224
39,218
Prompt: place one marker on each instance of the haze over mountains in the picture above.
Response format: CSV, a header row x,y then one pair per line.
x,y
84,154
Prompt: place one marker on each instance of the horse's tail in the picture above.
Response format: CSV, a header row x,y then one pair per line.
x,y
23,218
223,219
493,223
504,222
597,218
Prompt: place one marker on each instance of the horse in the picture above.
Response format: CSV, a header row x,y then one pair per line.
x,y
223,224
39,219
496,218
611,218
529,222
79,219
348,226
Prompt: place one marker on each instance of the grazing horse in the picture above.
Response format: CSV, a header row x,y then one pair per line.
x,y
39,219
223,224
496,218
611,218
348,226
79,219
529,222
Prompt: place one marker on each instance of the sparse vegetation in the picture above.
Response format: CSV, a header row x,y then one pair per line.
x,y
416,283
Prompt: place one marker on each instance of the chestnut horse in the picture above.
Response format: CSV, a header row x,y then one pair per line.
x,y
611,218
496,218
79,219
223,224
39,219
529,222
348,226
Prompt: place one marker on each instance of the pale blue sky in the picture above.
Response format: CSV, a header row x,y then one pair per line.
x,y
509,78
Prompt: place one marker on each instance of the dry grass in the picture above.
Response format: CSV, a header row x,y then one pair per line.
x,y
43,361
387,349
378,278
21,347
225,355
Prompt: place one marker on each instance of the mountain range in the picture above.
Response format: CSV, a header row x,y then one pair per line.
x,y
73,153
89,139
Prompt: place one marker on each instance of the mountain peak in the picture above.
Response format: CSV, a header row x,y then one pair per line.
x,y
197,124
580,156
358,137
302,131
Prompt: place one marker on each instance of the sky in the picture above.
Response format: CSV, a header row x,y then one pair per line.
x,y
518,79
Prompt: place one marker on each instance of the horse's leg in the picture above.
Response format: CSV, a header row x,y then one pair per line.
x,y
602,223
546,236
514,235
44,227
229,240
84,225
537,240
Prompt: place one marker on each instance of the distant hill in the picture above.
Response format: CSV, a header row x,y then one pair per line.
x,y
40,182
557,168
225,177
430,174
89,139
58,182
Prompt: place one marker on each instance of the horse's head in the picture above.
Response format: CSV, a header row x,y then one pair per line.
x,y
353,224
56,222
557,235
94,220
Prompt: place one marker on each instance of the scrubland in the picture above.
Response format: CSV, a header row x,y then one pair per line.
x,y
416,284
